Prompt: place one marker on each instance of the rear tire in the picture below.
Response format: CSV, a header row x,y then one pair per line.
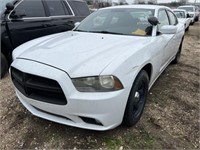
x,y
4,65
137,99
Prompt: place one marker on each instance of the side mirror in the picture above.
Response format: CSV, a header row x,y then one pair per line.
x,y
153,21
76,24
188,16
18,14
9,6
168,29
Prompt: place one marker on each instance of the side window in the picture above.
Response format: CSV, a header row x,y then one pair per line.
x,y
162,18
81,7
172,18
55,7
30,8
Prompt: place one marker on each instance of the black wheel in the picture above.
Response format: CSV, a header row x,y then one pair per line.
x,y
4,65
192,23
178,55
197,19
137,99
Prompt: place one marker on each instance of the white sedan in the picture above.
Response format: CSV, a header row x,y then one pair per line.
x,y
183,17
193,12
98,75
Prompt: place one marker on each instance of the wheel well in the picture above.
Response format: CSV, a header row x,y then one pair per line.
x,y
148,68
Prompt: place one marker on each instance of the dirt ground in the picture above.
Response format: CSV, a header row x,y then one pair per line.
x,y
170,120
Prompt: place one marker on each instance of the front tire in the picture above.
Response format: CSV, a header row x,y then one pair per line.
x,y
178,55
4,65
137,99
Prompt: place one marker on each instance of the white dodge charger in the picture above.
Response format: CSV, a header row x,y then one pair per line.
x,y
98,75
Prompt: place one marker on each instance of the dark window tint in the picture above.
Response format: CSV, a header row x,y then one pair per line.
x,y
55,7
30,8
172,18
81,7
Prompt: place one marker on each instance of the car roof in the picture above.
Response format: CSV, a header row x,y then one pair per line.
x,y
137,6
187,6
179,10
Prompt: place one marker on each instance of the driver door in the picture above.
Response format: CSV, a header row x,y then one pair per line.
x,y
27,21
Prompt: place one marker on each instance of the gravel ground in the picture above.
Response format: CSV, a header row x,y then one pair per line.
x,y
170,120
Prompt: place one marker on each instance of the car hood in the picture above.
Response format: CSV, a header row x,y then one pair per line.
x,y
78,53
191,12
182,20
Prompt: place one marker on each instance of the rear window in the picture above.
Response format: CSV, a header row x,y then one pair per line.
x,y
81,8
179,14
189,9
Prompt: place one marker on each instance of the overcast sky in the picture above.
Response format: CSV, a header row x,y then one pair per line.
x,y
162,1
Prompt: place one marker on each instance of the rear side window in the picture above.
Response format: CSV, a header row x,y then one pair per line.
x,y
31,8
172,18
162,18
81,8
56,7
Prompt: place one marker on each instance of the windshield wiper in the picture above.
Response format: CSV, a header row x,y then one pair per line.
x,y
81,30
107,32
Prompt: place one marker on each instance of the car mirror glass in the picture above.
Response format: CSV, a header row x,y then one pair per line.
x,y
76,24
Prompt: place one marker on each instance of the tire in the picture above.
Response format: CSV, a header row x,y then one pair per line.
x,y
137,99
4,65
196,19
178,55
192,23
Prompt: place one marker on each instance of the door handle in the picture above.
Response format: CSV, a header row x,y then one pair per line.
x,y
47,25
70,21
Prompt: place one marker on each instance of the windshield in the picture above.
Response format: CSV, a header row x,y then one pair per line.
x,y
189,9
120,21
179,14
3,4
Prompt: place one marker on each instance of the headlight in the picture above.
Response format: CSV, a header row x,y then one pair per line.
x,y
97,84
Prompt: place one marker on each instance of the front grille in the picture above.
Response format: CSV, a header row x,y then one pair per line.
x,y
38,88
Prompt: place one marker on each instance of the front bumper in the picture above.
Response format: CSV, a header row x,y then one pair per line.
x,y
103,110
